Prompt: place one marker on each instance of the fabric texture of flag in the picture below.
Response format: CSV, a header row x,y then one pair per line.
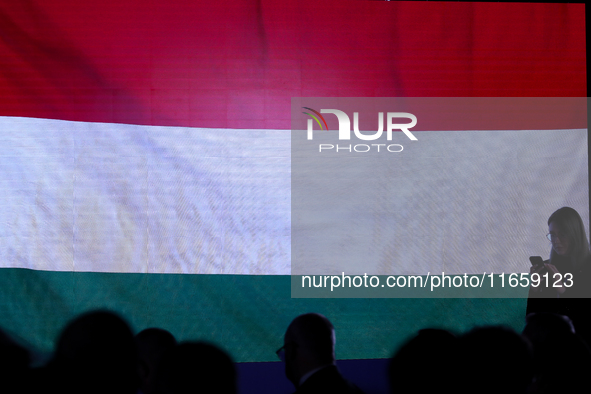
x,y
145,152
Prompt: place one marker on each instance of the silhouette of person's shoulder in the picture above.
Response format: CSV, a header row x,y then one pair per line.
x,y
328,380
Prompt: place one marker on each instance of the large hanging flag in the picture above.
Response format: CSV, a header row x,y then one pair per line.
x,y
145,154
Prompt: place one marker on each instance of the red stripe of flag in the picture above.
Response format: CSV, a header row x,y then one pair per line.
x,y
236,64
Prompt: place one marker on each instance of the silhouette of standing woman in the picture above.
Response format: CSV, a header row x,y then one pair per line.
x,y
564,279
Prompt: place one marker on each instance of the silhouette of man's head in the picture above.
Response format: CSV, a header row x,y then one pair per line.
x,y
196,367
14,364
541,326
494,360
308,344
96,352
151,343
561,359
427,358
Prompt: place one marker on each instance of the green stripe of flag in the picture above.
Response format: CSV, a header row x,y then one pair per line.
x,y
245,314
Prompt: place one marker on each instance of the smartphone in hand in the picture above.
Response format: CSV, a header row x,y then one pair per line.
x,y
536,261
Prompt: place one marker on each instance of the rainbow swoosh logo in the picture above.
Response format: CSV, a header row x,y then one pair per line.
x,y
316,118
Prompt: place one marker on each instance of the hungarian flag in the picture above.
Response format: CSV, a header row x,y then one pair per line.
x,y
145,155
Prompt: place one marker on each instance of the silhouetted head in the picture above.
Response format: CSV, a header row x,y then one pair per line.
x,y
424,364
14,364
196,367
96,353
562,362
567,233
12,355
309,343
151,344
494,360
541,326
